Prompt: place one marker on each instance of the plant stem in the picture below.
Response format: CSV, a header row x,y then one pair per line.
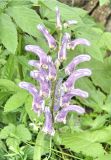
x,y
55,81
19,52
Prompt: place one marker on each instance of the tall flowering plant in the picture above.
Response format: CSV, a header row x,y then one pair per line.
x,y
53,88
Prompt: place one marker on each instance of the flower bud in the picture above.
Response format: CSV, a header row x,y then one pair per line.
x,y
34,63
48,125
29,87
78,41
52,69
38,51
62,114
39,75
58,19
65,99
50,39
63,49
45,88
69,22
68,84
38,104
72,65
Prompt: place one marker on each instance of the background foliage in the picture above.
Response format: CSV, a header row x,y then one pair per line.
x,y
87,137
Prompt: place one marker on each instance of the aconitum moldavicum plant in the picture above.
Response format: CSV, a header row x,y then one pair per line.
x,y
55,90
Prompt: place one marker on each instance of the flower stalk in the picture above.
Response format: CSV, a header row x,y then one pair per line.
x,y
51,85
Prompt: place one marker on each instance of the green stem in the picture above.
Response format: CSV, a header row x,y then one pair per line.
x,y
55,81
19,52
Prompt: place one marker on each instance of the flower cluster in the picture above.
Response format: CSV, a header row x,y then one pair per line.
x,y
59,92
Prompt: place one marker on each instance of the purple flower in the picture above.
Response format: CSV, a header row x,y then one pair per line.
x,y
34,63
65,99
53,90
29,87
78,41
45,88
38,102
72,65
50,39
69,22
58,19
62,114
68,84
63,50
48,125
39,75
38,51
52,69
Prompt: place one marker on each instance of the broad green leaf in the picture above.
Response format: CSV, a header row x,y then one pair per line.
x,y
8,85
66,11
23,133
82,142
28,107
8,33
106,40
39,146
4,96
6,131
27,19
102,2
13,144
93,35
96,97
15,101
87,142
10,67
104,157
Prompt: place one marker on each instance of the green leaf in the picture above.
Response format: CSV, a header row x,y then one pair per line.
x,y
27,19
28,107
4,96
9,85
102,2
96,97
83,142
8,33
67,12
10,67
93,35
39,146
105,40
15,101
104,157
6,131
13,144
23,133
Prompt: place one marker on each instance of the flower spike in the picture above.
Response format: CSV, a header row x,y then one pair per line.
x,y
54,93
